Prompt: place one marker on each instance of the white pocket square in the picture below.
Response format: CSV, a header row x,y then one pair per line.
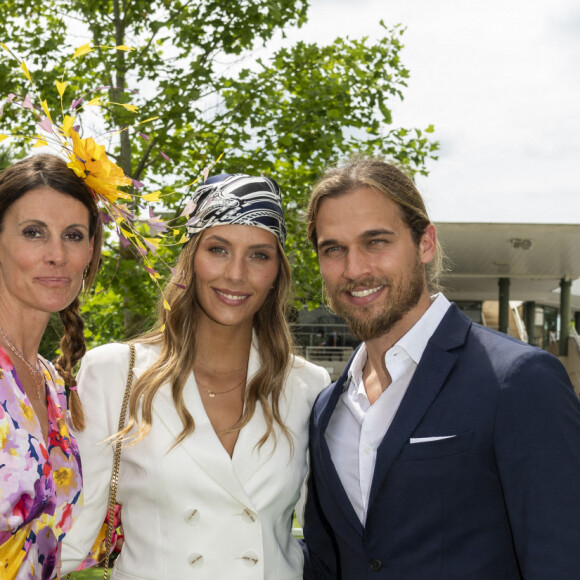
x,y
427,439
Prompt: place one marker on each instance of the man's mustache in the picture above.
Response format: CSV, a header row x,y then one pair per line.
x,y
364,283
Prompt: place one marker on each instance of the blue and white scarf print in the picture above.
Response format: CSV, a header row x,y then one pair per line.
x,y
237,200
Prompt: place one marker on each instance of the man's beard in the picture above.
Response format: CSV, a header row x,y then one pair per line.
x,y
400,299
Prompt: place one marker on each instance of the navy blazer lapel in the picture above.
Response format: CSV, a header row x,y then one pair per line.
x,y
430,375
323,410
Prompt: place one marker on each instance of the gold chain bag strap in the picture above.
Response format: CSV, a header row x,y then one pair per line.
x,y
117,462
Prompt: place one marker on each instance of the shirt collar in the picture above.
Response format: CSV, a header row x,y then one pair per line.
x,y
415,340
356,368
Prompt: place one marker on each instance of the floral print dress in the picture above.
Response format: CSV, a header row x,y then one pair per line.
x,y
40,485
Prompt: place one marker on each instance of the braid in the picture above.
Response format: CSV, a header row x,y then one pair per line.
x,y
73,348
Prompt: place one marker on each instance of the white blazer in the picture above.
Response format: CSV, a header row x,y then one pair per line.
x,y
192,512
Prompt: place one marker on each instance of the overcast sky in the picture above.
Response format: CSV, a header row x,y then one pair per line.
x,y
500,80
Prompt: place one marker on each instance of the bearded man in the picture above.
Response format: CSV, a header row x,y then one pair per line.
x,y
445,450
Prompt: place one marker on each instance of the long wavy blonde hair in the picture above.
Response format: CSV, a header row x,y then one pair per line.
x,y
175,363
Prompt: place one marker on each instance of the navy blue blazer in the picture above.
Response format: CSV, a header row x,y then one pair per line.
x,y
498,501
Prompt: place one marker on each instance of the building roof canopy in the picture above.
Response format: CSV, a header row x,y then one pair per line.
x,y
535,257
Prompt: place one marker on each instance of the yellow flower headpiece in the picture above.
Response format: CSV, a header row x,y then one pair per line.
x,y
88,159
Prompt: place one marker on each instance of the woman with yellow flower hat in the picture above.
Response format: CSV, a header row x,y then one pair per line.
x,y
50,246
51,217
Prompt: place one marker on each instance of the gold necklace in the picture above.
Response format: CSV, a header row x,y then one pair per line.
x,y
37,374
214,372
213,393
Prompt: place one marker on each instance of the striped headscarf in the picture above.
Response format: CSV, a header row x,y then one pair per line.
x,y
237,200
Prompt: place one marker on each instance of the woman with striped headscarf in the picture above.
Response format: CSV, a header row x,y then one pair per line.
x,y
214,453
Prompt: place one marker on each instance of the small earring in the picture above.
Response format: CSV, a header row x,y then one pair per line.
x,y
85,274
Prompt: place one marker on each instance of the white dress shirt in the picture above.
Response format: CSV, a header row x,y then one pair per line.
x,y
356,427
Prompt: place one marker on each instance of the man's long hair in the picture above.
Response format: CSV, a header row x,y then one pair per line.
x,y
390,180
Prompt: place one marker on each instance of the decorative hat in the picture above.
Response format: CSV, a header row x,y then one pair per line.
x,y
88,159
237,200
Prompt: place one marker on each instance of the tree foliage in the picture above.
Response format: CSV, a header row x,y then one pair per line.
x,y
288,116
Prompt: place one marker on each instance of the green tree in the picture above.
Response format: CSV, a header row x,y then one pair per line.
x,y
288,116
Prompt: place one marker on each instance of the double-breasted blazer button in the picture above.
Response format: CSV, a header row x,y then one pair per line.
x,y
375,564
195,560
249,516
250,558
192,516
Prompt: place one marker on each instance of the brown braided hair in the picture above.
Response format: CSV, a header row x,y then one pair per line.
x,y
48,170
73,348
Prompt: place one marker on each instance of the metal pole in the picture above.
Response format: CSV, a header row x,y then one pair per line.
x,y
504,305
530,321
565,291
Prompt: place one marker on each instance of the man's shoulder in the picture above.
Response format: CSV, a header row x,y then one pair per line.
x,y
516,361
323,399
473,334
485,347
498,340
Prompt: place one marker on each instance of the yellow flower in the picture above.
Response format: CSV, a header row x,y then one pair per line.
x,y
62,428
26,411
67,125
90,162
152,196
62,477
60,87
4,430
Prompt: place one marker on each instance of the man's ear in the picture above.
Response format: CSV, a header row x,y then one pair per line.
x,y
428,244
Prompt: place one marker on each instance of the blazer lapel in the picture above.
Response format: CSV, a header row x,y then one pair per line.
x,y
430,376
321,451
203,446
246,467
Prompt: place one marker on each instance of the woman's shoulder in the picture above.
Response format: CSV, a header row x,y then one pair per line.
x,y
48,365
306,380
104,370
52,376
116,352
110,362
308,371
110,353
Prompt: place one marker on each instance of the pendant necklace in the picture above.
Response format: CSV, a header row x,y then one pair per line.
x,y
37,374
213,393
